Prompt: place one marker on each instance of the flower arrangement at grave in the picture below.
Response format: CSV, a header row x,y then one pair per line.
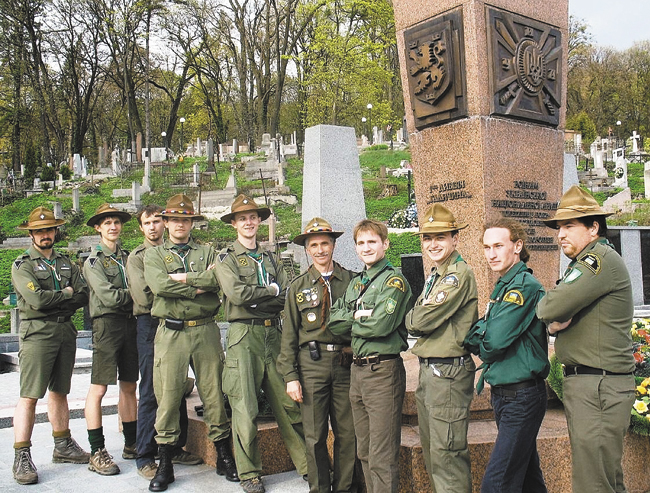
x,y
641,349
405,218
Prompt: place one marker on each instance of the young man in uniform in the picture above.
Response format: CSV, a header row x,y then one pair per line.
x,y
114,338
152,227
49,289
441,318
512,343
254,285
372,312
590,312
186,300
315,363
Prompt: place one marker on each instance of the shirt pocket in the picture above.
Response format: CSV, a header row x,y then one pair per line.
x,y
248,274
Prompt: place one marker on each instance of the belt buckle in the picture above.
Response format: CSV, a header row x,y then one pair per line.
x,y
267,322
191,323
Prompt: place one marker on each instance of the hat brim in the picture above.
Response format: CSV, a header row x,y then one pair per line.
x,y
197,217
124,217
263,212
572,214
27,227
302,238
440,229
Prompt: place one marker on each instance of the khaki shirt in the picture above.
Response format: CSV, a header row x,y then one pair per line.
x,y
39,286
304,320
105,273
140,292
596,294
246,296
442,324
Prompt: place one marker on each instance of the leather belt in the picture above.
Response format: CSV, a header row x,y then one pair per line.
x,y
54,318
570,370
197,323
457,361
266,322
510,390
371,360
326,347
118,316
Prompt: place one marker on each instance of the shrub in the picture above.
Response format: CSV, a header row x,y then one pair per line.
x,y
66,172
48,174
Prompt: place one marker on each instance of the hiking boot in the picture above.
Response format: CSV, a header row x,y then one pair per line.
x,y
185,458
165,472
225,462
148,471
129,452
253,485
68,450
102,463
24,468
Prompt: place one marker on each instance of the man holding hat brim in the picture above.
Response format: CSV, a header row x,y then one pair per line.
x,y
49,289
254,285
115,351
590,312
186,300
441,318
315,364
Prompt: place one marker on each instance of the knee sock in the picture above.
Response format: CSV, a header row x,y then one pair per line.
x,y
61,434
129,428
96,439
19,445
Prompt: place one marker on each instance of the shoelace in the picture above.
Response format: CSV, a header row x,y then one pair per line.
x,y
25,463
104,457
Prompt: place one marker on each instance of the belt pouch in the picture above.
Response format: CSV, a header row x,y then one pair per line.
x,y
172,324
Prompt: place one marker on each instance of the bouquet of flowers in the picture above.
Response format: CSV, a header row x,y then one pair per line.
x,y
641,347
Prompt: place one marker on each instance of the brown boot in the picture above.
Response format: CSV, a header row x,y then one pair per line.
x,y
24,468
68,450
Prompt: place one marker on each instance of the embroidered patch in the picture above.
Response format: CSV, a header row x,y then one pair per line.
x,y
514,297
243,262
591,261
440,297
30,286
222,257
17,264
300,297
169,259
572,276
311,317
358,286
396,282
106,264
391,304
92,261
450,280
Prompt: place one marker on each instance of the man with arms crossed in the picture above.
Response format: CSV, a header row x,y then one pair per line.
x,y
312,360
49,289
441,318
372,312
590,312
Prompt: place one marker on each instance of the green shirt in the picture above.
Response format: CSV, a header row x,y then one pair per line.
x,y
140,292
442,324
388,295
105,273
595,293
305,316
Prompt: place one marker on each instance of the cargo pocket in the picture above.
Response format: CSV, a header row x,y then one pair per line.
x,y
454,421
231,381
236,333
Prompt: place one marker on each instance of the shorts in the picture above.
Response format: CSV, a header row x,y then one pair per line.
x,y
115,349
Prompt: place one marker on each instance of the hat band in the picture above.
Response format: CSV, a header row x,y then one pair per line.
x,y
439,224
581,208
174,211
318,230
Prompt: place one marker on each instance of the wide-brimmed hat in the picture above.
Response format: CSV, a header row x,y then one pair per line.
x,y
439,219
316,226
106,210
242,203
574,204
41,218
179,205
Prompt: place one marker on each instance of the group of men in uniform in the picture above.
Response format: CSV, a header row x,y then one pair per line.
x,y
336,360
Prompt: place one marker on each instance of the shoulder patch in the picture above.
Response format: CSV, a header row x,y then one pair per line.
x,y
450,280
572,276
391,304
222,256
514,296
440,297
18,263
243,262
92,261
591,261
30,286
396,282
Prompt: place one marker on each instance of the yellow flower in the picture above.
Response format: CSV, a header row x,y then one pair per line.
x,y
641,390
641,407
646,382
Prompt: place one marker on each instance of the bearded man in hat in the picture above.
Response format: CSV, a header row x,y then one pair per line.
x,y
49,289
590,312
441,318
315,364
254,285
186,300
115,352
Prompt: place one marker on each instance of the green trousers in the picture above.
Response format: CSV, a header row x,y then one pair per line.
x,y
443,418
598,415
250,365
173,352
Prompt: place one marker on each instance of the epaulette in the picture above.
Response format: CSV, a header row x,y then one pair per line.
x,y
92,261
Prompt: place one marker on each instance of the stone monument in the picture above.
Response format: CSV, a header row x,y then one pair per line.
x,y
484,87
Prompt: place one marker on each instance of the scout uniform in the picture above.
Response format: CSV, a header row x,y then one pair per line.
x,y
378,377
187,334
312,354
48,339
446,382
253,306
595,293
511,341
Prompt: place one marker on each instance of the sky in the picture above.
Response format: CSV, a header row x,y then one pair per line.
x,y
615,23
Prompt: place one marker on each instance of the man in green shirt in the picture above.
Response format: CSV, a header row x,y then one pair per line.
x,y
441,318
115,352
313,360
49,289
590,312
372,312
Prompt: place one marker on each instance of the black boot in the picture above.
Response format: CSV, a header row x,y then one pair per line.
x,y
225,462
165,472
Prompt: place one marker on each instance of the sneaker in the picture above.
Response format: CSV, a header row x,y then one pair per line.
x,y
253,485
24,469
102,463
148,471
68,450
129,452
185,458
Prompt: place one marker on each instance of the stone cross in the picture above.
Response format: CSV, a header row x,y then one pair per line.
x,y
635,141
75,199
135,194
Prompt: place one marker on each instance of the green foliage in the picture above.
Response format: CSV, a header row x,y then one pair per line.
x,y
7,258
65,171
378,147
402,244
48,174
5,323
555,377
582,123
31,163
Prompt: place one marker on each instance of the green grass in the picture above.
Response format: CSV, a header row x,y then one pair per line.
x,y
375,159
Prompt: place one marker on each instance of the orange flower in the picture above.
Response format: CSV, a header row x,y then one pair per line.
x,y
638,357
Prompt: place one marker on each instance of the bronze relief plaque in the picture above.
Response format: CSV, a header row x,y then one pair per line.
x,y
525,59
436,69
